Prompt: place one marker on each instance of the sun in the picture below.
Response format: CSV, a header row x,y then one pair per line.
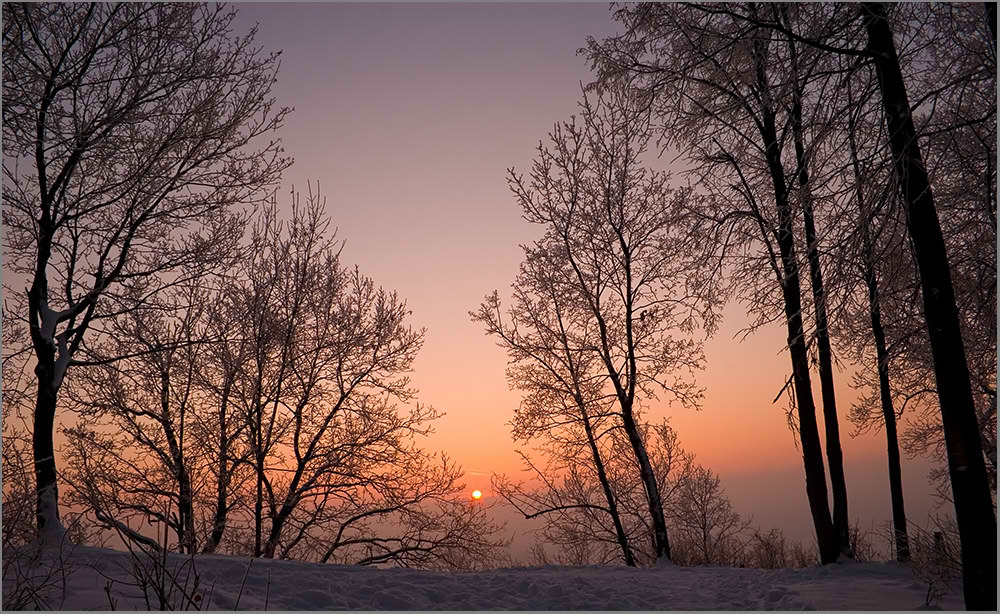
x,y
476,495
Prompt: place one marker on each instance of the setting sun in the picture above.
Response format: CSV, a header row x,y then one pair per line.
x,y
698,380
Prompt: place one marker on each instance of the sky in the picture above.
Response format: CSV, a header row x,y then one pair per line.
x,y
408,116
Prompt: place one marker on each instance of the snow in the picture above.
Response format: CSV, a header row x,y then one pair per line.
x,y
53,531
225,582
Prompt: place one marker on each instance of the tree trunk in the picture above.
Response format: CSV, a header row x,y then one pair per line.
x,y
47,491
223,478
258,506
970,487
606,486
834,454
277,524
221,512
889,416
882,358
186,537
812,453
43,341
661,545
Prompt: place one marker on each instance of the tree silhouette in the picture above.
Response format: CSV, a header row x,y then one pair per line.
x,y
132,135
618,231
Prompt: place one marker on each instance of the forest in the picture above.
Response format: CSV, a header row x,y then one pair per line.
x,y
194,365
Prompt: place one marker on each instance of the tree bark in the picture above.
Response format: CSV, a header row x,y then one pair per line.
x,y
991,20
606,486
882,357
258,506
812,453
277,524
223,478
834,453
970,487
47,490
661,544
888,415
831,422
42,330
186,537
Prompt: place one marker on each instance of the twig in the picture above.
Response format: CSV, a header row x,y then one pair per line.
x,y
267,591
243,584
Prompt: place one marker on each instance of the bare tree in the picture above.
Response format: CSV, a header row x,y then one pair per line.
x,y
217,430
275,417
130,135
705,521
801,69
618,228
955,118
866,35
973,501
549,339
723,91
564,490
149,401
340,451
882,357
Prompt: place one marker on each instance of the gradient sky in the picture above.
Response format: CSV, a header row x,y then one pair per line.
x,y
409,116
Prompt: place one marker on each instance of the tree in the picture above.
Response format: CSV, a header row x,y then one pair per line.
x,y
705,519
131,135
723,93
801,70
955,117
973,501
564,490
877,242
867,36
282,426
549,339
619,230
345,348
146,463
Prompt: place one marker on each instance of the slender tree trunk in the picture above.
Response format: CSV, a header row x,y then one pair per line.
x,y
834,453
221,511
186,538
258,506
882,357
812,452
606,486
970,486
661,544
831,422
223,478
888,414
277,524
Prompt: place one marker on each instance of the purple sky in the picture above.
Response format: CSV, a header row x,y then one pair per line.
x,y
409,116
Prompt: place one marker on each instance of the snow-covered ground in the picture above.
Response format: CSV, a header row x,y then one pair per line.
x,y
97,578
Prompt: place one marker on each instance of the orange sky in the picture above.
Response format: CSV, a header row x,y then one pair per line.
x,y
409,116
